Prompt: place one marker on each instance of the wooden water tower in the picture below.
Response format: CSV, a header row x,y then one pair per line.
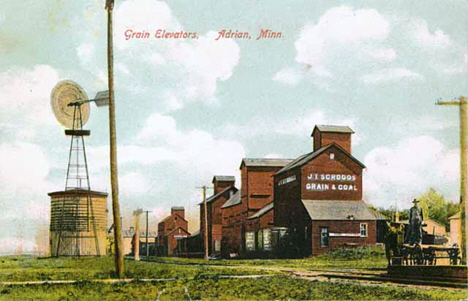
x,y
78,219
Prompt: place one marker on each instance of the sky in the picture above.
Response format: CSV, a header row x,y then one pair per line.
x,y
188,109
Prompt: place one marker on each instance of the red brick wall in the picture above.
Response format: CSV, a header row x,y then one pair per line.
x,y
339,166
342,227
233,228
172,241
263,222
260,187
179,212
173,222
219,186
215,220
287,197
342,139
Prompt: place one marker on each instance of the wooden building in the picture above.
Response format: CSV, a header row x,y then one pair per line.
x,y
256,193
318,196
170,230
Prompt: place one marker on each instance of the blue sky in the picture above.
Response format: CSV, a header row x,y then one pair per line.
x,y
189,109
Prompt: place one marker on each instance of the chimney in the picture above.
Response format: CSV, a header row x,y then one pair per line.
x,y
324,135
179,210
222,182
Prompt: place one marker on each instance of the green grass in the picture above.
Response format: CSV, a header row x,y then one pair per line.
x,y
341,259
276,288
205,282
14,269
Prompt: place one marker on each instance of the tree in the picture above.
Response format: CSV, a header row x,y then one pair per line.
x,y
435,207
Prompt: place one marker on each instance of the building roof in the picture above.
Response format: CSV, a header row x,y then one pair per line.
x,y
169,216
265,162
455,216
233,200
262,211
130,233
77,192
338,210
224,178
307,157
333,129
188,233
178,208
216,196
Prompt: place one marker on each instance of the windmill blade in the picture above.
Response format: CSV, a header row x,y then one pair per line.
x,y
64,93
102,98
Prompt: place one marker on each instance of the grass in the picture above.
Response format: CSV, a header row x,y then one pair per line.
x,y
341,259
15,269
204,282
276,288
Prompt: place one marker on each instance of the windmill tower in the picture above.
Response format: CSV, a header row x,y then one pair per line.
x,y
78,219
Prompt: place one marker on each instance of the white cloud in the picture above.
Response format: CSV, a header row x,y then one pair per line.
x,y
303,125
408,169
381,53
161,141
134,184
25,96
288,76
421,33
85,52
142,15
24,169
390,74
340,27
193,66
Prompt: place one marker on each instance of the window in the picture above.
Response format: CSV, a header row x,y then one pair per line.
x,y
323,237
267,240
250,241
332,156
363,230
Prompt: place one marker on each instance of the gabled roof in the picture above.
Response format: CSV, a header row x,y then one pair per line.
x,y
216,196
233,200
224,179
338,210
262,211
129,233
168,217
308,157
333,129
265,162
188,233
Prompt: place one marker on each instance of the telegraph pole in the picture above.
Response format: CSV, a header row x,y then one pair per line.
x,y
119,262
462,104
205,221
147,244
136,243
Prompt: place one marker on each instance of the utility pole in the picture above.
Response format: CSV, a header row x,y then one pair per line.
x,y
462,104
119,262
147,243
136,243
205,210
205,222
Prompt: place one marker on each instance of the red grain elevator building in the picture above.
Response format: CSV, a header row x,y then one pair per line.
x,y
318,196
256,193
224,189
170,230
